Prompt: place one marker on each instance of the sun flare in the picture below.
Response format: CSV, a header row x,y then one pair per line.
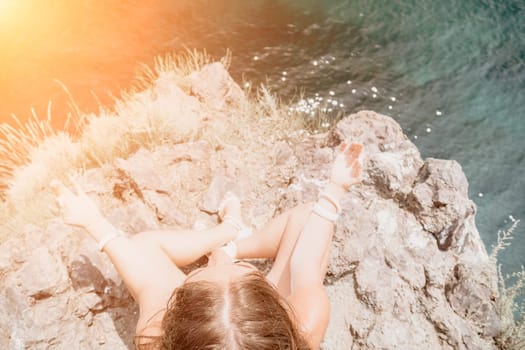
x,y
7,11
4,6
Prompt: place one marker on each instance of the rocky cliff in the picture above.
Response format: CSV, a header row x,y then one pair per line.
x,y
408,269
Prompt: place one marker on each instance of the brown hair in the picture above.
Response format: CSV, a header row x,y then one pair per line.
x,y
248,313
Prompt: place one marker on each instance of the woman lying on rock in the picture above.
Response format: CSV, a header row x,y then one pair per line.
x,y
228,304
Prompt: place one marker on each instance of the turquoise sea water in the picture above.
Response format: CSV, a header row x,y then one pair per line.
x,y
451,72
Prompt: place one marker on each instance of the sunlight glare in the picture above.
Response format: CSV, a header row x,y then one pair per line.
x,y
6,11
4,6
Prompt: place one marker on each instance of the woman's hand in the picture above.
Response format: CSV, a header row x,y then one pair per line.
x,y
219,257
346,169
77,209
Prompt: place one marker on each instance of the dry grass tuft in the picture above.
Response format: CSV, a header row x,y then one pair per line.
x,y
315,116
511,301
53,158
17,142
178,64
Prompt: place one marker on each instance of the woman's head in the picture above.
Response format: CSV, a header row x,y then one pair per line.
x,y
242,312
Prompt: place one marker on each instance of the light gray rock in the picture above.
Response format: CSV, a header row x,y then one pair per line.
x,y
439,200
42,275
214,86
219,187
6,260
139,171
407,268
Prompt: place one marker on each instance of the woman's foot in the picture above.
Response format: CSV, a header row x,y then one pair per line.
x,y
230,205
230,213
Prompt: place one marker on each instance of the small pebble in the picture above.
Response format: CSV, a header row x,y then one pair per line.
x,y
374,95
374,89
255,58
480,194
284,73
283,78
389,107
415,137
315,63
393,99
332,93
429,130
438,113
354,91
348,82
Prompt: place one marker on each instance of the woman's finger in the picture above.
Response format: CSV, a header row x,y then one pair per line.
x,y
356,172
55,186
353,152
79,191
59,188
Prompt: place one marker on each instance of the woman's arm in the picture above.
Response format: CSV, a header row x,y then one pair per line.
x,y
147,261
309,258
267,242
141,266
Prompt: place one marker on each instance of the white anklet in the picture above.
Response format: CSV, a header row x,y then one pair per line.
x,y
230,249
332,201
325,213
104,242
232,221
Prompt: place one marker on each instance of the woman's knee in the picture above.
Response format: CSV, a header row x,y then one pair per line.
x,y
302,210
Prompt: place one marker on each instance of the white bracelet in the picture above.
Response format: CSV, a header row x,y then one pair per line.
x,y
104,242
325,213
230,249
332,201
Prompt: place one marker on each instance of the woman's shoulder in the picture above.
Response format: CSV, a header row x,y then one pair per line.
x,y
148,338
312,310
148,330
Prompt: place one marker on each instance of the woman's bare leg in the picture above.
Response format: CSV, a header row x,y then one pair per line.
x,y
277,240
266,242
